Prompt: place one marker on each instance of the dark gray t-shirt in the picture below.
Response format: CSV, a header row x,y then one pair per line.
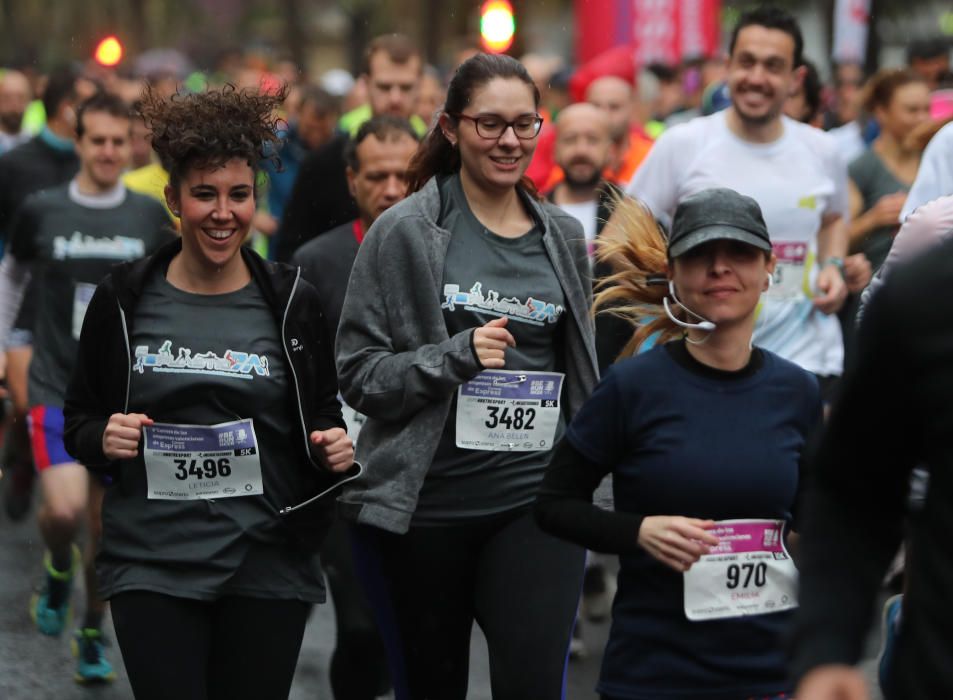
x,y
70,248
873,181
205,549
511,276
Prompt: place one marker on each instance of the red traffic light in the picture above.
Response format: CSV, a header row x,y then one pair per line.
x,y
497,25
108,52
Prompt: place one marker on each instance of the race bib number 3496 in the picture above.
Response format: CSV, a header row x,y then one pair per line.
x,y
193,462
749,573
500,410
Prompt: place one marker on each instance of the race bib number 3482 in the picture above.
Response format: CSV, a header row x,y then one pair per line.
x,y
500,410
749,573
193,462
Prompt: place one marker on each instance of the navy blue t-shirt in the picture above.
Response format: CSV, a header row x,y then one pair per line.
x,y
705,447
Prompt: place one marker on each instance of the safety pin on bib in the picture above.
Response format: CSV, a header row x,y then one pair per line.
x,y
506,381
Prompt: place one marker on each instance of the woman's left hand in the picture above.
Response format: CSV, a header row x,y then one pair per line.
x,y
337,450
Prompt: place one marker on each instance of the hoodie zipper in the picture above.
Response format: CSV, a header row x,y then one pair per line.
x,y
304,426
125,337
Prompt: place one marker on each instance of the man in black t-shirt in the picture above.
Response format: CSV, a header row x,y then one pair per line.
x,y
66,238
377,159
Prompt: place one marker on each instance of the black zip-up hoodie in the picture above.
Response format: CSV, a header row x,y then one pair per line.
x,y
100,383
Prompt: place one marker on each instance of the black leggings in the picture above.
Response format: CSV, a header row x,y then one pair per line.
x,y
428,586
359,664
230,649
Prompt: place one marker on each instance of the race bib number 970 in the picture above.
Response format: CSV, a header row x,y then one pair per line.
x,y
749,573
500,410
193,462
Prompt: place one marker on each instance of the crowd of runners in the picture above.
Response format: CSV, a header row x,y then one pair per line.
x,y
509,346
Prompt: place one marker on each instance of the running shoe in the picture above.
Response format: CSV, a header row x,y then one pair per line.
x,y
89,648
889,631
52,621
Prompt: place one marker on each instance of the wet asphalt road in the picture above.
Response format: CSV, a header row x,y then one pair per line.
x,y
34,667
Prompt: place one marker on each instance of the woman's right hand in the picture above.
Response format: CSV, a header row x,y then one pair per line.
x,y
122,435
490,342
675,541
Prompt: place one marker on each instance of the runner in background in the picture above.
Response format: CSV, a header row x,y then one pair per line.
x,y
205,387
377,159
15,95
320,199
583,145
469,288
794,173
46,160
703,437
67,238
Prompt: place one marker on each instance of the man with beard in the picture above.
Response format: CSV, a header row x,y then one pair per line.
x,y
791,169
15,95
630,144
583,150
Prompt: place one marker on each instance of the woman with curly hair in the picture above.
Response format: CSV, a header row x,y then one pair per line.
x,y
205,386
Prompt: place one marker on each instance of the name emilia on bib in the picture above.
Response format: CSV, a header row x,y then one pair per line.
x,y
749,573
196,462
504,411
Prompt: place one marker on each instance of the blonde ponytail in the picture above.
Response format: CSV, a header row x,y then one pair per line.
x,y
634,247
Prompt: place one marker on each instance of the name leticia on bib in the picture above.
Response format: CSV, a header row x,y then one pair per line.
x,y
534,311
234,363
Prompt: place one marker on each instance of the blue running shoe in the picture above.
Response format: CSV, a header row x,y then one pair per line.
x,y
889,631
89,648
49,620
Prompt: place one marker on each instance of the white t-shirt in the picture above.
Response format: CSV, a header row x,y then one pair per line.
x,y
935,176
796,180
585,213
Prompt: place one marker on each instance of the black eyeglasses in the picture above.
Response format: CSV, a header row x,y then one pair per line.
x,y
493,126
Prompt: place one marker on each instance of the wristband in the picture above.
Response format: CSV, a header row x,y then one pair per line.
x,y
836,262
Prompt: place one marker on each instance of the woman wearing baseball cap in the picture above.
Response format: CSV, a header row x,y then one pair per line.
x,y
703,436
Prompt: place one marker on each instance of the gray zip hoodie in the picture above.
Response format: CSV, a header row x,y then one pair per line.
x,y
398,365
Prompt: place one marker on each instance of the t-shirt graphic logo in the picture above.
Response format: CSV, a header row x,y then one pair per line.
x,y
81,246
235,363
534,311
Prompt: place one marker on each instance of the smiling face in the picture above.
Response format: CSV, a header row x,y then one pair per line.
x,y
722,281
761,73
494,163
216,206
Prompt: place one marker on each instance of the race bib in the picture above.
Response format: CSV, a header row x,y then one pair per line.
x,y
505,411
81,298
749,573
789,278
195,462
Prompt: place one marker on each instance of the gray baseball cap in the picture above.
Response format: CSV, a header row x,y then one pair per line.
x,y
713,215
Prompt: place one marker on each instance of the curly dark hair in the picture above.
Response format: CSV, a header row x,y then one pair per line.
x,y
207,129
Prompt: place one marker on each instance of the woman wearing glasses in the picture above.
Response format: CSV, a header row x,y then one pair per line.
x,y
465,338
